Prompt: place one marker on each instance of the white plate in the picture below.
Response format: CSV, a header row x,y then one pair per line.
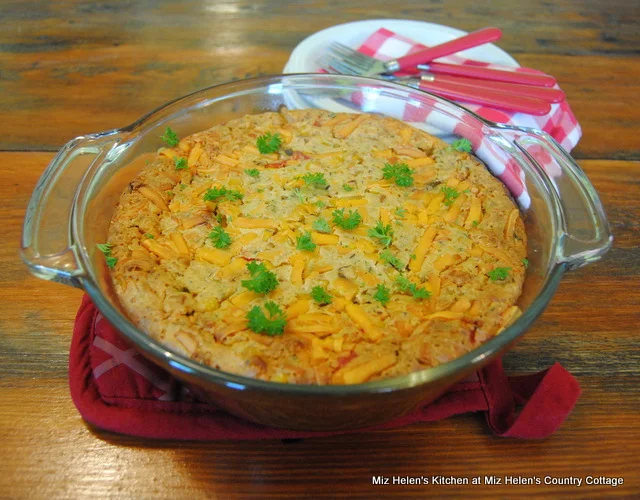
x,y
304,57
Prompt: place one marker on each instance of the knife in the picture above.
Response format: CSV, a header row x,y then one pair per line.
x,y
542,79
484,96
544,93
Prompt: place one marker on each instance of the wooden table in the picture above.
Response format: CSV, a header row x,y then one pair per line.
x,y
73,67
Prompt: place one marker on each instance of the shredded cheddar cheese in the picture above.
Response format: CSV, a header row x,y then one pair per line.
x,y
312,248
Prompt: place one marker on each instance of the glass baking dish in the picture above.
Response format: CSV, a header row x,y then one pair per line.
x,y
72,205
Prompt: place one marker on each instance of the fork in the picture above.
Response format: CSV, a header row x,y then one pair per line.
x,y
363,65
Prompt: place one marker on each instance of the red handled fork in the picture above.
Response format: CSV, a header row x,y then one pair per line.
x,y
359,64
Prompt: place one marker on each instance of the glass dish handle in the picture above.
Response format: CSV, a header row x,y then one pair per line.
x,y
587,236
47,243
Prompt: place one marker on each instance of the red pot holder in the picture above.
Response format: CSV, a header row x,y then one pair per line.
x,y
117,389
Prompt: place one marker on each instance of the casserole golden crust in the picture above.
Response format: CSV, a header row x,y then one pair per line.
x,y
358,249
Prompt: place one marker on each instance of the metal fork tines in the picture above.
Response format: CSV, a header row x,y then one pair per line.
x,y
333,65
349,61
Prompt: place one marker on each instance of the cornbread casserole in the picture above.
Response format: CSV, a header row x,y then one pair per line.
x,y
316,248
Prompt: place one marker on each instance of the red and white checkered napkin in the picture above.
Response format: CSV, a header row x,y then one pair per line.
x,y
560,122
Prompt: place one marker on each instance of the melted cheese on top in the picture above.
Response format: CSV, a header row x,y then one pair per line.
x,y
452,265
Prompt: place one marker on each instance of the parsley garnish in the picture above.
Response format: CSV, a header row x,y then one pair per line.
x,y
252,172
400,212
105,248
170,138
391,259
181,163
321,225
382,233
525,262
462,144
272,325
320,295
262,280
475,222
450,195
223,192
269,143
219,237
182,186
149,235
315,180
399,172
406,286
298,194
320,204
305,243
499,273
348,222
382,294
347,187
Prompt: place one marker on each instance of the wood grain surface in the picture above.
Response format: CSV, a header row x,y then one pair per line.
x,y
71,67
